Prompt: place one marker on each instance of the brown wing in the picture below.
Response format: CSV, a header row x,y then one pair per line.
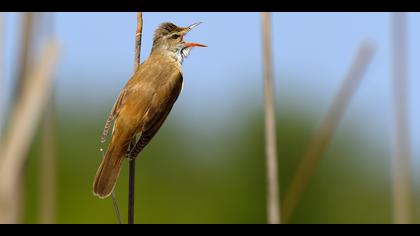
x,y
112,115
161,105
116,109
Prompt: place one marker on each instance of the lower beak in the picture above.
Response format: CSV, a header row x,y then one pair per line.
x,y
190,44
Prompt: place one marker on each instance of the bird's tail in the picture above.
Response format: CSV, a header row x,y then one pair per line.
x,y
109,170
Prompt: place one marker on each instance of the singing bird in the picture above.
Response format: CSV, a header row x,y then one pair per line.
x,y
144,103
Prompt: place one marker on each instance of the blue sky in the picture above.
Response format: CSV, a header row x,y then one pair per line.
x,y
312,53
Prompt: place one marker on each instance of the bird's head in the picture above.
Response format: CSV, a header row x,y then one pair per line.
x,y
169,38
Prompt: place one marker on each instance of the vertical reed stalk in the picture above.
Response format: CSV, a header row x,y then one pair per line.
x,y
137,46
273,208
48,165
323,134
2,74
132,160
401,184
25,116
26,50
131,190
24,62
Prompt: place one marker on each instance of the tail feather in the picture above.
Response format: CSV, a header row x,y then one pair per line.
x,y
109,170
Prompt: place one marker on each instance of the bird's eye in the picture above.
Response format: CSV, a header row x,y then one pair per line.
x,y
175,36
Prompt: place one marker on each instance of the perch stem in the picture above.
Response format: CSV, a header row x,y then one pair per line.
x,y
132,161
131,190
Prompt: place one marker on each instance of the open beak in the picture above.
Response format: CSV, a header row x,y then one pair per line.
x,y
191,44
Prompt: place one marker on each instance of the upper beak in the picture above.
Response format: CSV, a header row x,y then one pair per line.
x,y
193,25
190,44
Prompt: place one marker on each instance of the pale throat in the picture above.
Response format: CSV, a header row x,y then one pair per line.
x,y
179,53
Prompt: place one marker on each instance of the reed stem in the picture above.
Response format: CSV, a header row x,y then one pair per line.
x,y
132,160
273,208
401,183
324,133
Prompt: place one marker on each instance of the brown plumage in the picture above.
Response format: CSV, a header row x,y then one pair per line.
x,y
144,103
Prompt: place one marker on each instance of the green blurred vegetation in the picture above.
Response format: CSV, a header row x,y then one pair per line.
x,y
192,176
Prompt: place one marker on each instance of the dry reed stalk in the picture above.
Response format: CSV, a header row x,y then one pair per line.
x,y
2,35
25,116
24,61
48,165
137,46
25,53
401,182
273,208
132,160
323,134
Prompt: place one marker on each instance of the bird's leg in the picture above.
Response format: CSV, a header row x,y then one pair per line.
x,y
130,148
135,150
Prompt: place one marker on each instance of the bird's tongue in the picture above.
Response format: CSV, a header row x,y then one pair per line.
x,y
191,44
